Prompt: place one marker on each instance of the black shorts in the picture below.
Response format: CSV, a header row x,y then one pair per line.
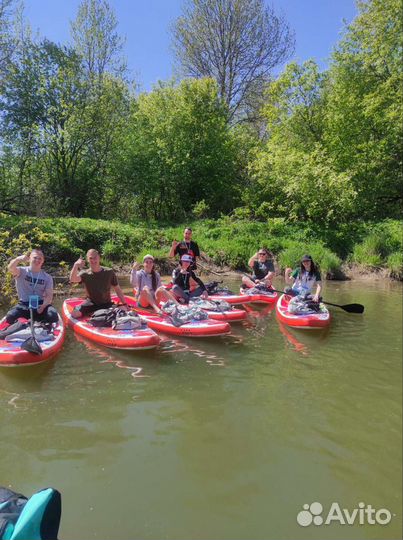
x,y
88,307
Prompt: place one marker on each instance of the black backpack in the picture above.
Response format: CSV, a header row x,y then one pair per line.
x,y
105,317
213,288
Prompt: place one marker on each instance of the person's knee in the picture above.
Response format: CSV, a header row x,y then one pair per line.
x,y
52,315
290,291
11,318
177,291
12,315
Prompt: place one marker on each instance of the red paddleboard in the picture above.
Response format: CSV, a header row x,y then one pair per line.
x,y
11,354
230,298
134,340
310,321
163,323
230,315
268,298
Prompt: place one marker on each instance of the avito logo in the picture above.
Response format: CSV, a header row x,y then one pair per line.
x,y
364,514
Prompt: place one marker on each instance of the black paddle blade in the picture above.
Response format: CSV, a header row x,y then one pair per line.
x,y
353,308
32,346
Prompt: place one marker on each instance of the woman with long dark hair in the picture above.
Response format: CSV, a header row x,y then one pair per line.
x,y
147,282
304,279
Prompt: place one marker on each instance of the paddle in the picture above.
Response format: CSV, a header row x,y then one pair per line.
x,y
31,344
350,308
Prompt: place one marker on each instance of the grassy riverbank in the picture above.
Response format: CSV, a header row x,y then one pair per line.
x,y
225,242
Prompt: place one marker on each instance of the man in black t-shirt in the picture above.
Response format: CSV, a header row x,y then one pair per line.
x,y
186,247
263,269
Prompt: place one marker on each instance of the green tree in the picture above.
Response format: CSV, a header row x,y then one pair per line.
x,y
178,151
295,105
236,42
6,37
364,114
59,130
96,39
293,175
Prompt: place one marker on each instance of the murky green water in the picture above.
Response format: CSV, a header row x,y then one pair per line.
x,y
220,439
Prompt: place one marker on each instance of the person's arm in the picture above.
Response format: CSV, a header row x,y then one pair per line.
x,y
133,276
196,251
74,274
173,247
271,272
198,281
120,295
252,260
47,295
318,289
159,283
288,276
12,266
177,277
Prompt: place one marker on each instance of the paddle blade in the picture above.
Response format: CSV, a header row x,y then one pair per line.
x,y
32,346
353,308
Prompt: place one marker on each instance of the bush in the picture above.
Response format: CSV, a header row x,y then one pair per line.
x,y
395,264
328,262
381,241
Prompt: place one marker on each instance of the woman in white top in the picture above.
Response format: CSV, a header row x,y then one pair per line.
x,y
149,289
304,279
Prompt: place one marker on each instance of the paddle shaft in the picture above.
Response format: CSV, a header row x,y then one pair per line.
x,y
31,321
350,308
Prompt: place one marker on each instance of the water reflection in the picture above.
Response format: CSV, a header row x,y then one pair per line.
x,y
238,449
292,340
107,356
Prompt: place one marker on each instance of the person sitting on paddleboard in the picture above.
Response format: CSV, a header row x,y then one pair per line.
x,y
186,247
304,279
181,277
147,282
98,281
34,288
263,269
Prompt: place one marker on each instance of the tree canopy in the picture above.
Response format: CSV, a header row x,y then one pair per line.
x,y
76,140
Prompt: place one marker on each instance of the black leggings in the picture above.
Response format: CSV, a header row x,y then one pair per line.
x,y
49,314
88,307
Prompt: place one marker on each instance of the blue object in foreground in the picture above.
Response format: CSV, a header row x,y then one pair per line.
x,y
36,518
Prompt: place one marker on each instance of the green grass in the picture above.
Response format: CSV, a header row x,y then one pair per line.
x,y
381,242
228,241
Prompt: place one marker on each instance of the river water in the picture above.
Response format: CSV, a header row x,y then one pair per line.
x,y
218,439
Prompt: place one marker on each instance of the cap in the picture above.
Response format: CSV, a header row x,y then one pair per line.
x,y
306,258
186,258
148,256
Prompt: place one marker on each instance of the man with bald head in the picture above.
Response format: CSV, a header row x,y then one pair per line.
x,y
97,281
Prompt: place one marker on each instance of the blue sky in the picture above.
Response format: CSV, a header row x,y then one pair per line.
x,y
145,24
